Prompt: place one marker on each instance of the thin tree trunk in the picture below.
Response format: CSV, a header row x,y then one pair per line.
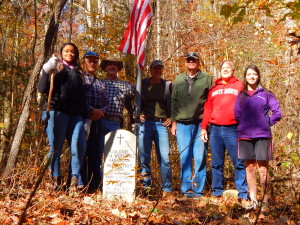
x,y
35,33
88,18
71,21
49,39
6,130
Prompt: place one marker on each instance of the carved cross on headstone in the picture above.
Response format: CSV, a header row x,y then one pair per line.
x,y
120,139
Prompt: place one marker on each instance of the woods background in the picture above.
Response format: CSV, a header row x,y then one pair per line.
x,y
264,33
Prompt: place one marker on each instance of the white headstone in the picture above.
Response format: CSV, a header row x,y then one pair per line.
x,y
119,173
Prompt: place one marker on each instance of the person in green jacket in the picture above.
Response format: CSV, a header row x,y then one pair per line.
x,y
189,94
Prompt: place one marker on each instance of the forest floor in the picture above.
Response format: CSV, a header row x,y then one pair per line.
x,y
62,208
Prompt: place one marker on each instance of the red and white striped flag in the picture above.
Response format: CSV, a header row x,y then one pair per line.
x,y
134,39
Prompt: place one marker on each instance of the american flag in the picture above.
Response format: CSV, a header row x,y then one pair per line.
x,y
134,39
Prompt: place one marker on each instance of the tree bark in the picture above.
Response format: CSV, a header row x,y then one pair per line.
x,y
31,87
5,135
88,17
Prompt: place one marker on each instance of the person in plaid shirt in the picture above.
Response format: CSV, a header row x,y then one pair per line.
x,y
120,94
98,103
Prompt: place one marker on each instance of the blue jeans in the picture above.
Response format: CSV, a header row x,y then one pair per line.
x,y
150,131
109,126
63,126
221,138
91,172
191,146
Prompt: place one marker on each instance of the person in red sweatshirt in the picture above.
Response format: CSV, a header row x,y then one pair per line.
x,y
219,114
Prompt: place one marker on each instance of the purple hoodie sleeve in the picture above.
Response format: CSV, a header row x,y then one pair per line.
x,y
275,108
237,109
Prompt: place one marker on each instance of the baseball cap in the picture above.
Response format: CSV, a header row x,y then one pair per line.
x,y
192,55
156,63
91,53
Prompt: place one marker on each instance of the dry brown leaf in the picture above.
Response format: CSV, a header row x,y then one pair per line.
x,y
273,61
57,221
93,214
296,59
88,201
54,214
290,222
201,203
120,214
15,219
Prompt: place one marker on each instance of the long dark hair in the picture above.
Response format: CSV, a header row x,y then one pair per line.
x,y
255,68
76,59
259,84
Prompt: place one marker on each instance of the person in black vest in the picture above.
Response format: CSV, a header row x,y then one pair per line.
x,y
155,120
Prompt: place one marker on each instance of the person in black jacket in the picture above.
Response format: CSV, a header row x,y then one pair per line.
x,y
67,110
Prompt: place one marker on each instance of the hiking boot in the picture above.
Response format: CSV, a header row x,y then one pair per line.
x,y
73,185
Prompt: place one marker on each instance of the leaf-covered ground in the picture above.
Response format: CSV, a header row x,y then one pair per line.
x,y
60,208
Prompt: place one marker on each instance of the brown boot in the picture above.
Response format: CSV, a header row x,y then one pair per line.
x,y
73,185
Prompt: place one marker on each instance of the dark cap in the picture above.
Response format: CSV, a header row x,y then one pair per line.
x,y
91,53
192,55
156,63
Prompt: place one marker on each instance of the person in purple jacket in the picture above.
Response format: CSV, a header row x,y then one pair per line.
x,y
251,112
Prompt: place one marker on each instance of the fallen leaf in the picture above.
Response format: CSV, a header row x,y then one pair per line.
x,y
290,135
290,222
274,61
88,201
55,214
119,214
57,221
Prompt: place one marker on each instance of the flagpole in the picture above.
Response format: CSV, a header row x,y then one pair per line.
x,y
138,98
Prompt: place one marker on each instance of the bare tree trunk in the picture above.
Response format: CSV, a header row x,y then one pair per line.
x,y
6,130
35,32
71,21
31,87
88,17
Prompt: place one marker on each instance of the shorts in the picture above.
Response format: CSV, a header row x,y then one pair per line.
x,y
255,149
